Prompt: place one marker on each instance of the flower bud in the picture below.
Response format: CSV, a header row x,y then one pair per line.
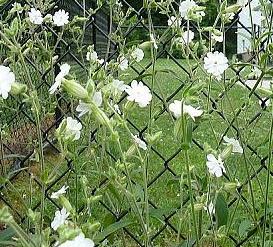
x,y
75,89
233,8
66,204
198,206
18,88
5,215
226,152
230,186
90,87
95,198
131,150
155,137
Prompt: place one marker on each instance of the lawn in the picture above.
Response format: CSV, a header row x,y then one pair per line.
x,y
166,166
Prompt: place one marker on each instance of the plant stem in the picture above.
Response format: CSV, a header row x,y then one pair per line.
x,y
191,197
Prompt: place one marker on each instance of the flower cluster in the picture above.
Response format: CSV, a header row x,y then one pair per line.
x,y
60,18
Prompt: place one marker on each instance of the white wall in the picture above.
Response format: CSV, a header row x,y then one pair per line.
x,y
243,42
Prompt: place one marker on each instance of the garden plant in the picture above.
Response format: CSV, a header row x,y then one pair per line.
x,y
137,135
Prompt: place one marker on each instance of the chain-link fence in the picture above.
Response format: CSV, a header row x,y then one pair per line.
x,y
19,138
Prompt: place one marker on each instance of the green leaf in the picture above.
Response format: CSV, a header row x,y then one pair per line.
x,y
244,227
221,210
2,2
6,235
113,228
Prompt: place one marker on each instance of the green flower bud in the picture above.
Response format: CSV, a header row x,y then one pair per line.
x,y
154,138
226,152
18,88
5,215
75,89
66,204
198,206
230,186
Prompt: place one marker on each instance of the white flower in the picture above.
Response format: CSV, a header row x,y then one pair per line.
x,y
59,219
139,142
92,56
84,108
64,71
153,41
138,54
73,128
7,78
35,16
216,63
210,208
119,85
79,241
236,147
176,108
217,38
123,63
139,93
215,166
57,194
187,37
185,7
174,22
60,18
116,108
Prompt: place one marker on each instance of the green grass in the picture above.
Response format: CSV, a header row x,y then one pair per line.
x,y
165,191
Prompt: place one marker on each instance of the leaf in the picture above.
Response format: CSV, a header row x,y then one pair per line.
x,y
113,228
221,210
244,227
158,213
6,235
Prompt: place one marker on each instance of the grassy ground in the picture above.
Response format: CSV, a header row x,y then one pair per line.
x,y
167,163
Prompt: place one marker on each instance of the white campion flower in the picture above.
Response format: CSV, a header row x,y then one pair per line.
x,y
139,142
60,18
64,71
187,37
59,219
215,166
216,63
139,93
119,85
174,21
57,194
218,38
176,109
35,16
210,208
79,241
185,7
92,56
73,128
84,108
138,54
7,78
236,147
123,63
